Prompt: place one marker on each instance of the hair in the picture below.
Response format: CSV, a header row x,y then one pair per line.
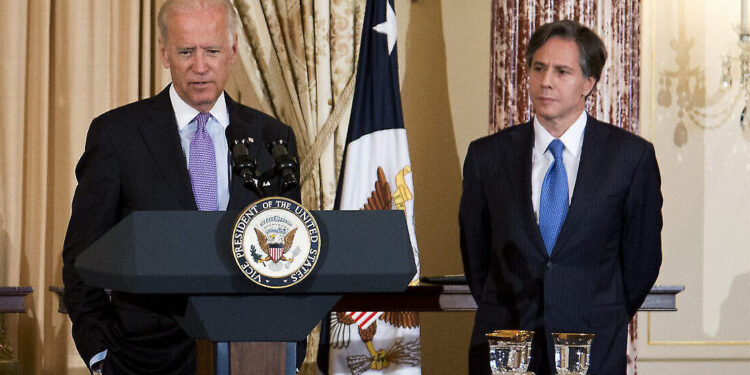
x,y
171,7
591,52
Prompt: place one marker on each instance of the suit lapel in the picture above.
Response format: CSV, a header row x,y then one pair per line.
x,y
163,141
593,159
523,144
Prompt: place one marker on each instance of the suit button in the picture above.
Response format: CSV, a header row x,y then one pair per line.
x,y
550,264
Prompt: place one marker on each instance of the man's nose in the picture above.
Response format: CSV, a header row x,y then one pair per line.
x,y
546,78
200,64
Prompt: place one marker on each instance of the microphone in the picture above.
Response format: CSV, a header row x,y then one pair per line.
x,y
244,164
284,165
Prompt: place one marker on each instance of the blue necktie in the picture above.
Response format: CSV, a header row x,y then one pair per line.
x,y
553,203
202,166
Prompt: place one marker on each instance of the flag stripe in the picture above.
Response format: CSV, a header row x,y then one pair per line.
x,y
364,318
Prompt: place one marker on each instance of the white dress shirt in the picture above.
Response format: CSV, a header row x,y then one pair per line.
x,y
216,126
541,158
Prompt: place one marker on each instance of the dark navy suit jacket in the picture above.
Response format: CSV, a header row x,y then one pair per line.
x,y
133,160
605,260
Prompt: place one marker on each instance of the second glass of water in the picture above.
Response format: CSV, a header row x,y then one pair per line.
x,y
510,351
572,352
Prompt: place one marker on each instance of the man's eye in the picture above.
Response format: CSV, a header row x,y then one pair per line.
x,y
213,51
183,52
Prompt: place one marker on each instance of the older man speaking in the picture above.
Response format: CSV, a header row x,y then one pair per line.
x,y
167,152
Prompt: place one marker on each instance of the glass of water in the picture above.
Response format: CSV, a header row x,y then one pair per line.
x,y
510,351
572,352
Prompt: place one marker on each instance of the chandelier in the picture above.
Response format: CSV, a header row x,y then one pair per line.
x,y
744,65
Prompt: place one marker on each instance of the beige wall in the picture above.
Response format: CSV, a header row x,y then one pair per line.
x,y
444,65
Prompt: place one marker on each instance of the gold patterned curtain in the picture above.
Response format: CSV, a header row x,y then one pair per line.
x,y
298,61
616,98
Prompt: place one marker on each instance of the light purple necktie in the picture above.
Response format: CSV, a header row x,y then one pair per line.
x,y
202,166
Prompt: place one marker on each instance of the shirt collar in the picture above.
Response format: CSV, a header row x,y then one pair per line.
x,y
572,139
184,113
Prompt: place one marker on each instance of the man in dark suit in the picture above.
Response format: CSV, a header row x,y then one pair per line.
x,y
561,216
168,152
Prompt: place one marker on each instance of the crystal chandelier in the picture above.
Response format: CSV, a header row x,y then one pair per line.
x,y
744,65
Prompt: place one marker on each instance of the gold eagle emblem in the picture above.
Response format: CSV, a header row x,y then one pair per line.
x,y
275,251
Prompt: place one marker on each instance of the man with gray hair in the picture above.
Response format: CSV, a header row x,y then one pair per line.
x,y
561,216
167,152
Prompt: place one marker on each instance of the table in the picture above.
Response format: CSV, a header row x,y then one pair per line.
x,y
11,301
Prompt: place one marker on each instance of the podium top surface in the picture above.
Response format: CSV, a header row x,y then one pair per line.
x,y
189,252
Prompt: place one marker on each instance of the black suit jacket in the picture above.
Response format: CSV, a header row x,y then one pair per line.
x,y
605,260
133,160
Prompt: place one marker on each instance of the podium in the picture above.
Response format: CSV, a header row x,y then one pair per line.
x,y
190,253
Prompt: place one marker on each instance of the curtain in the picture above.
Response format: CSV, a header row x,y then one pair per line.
x,y
73,60
298,59
616,98
616,22
297,63
68,61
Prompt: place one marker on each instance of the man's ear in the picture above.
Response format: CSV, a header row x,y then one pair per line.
x,y
234,49
588,86
163,54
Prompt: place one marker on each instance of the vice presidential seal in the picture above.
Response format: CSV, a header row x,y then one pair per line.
x,y
276,242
